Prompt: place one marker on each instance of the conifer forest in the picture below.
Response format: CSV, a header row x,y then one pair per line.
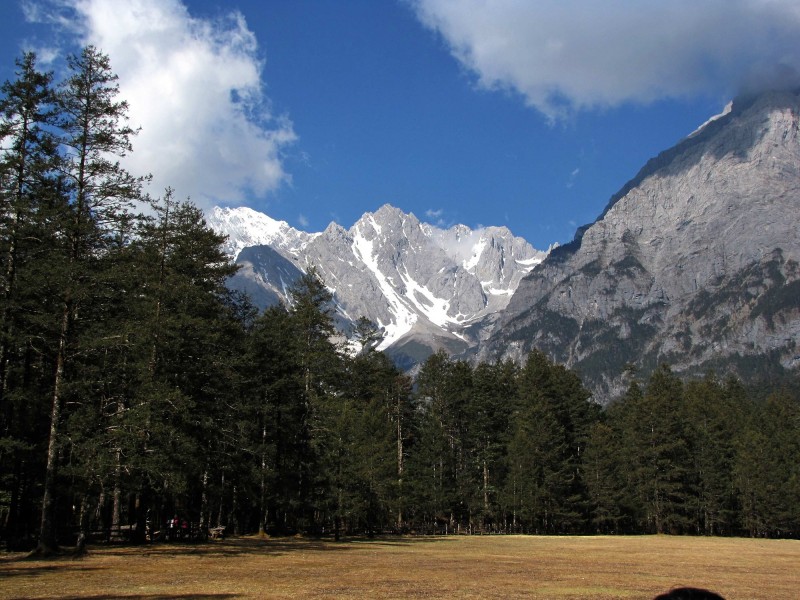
x,y
136,389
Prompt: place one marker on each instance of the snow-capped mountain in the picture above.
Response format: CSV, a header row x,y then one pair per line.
x,y
425,287
694,263
246,227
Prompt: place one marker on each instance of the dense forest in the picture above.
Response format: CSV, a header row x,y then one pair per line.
x,y
141,399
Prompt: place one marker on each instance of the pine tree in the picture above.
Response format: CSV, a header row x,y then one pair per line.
x,y
714,418
441,482
603,465
276,417
622,417
535,481
312,325
375,413
27,164
100,192
491,404
188,354
766,469
659,442
27,160
551,393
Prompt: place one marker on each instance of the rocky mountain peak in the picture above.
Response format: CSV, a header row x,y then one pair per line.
x,y
691,263
246,227
426,287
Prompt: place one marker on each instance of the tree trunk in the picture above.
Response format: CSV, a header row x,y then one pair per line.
x,y
221,514
83,527
399,464
116,506
262,513
485,489
47,531
204,513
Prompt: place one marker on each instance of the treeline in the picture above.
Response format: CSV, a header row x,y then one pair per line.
x,y
135,388
504,449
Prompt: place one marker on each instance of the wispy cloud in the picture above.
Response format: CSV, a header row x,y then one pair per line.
x,y
302,220
194,86
566,55
434,213
573,176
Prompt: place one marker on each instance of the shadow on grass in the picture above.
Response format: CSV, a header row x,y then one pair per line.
x,y
232,547
144,597
247,545
8,568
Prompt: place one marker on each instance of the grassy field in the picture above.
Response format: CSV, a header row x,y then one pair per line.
x,y
452,567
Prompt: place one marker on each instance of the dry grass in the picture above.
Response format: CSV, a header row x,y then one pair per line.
x,y
455,567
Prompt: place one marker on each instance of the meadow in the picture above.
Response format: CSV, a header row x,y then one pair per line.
x,y
415,567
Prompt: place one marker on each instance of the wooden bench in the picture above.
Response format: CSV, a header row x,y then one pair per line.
x,y
217,533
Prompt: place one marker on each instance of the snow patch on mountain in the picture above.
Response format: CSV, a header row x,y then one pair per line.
x,y
408,277
433,307
725,111
403,317
246,227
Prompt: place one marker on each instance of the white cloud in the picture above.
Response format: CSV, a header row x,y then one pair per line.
x,y
195,88
434,214
302,220
569,55
45,55
572,177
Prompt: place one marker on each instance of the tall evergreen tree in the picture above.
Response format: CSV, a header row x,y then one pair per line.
x,y
766,468
100,193
27,160
535,479
491,405
27,164
320,364
713,416
440,484
621,418
658,434
374,455
276,416
189,353
551,394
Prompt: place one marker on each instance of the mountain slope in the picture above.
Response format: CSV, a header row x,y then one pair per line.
x,y
246,228
694,262
424,286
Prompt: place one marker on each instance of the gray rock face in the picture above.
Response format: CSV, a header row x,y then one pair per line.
x,y
265,275
694,262
426,287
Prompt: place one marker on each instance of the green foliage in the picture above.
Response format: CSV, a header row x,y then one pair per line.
x,y
135,387
27,161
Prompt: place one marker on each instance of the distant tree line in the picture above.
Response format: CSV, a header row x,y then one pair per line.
x,y
135,388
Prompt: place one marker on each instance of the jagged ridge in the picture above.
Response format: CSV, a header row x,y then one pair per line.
x,y
423,285
683,262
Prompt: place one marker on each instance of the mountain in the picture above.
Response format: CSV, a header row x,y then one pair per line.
x,y
426,287
246,228
694,262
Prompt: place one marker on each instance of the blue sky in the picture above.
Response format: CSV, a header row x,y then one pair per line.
x,y
524,114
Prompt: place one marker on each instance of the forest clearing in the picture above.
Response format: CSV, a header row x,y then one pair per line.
x,y
596,567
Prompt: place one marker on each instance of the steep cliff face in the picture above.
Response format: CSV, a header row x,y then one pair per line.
x,y
694,262
424,286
